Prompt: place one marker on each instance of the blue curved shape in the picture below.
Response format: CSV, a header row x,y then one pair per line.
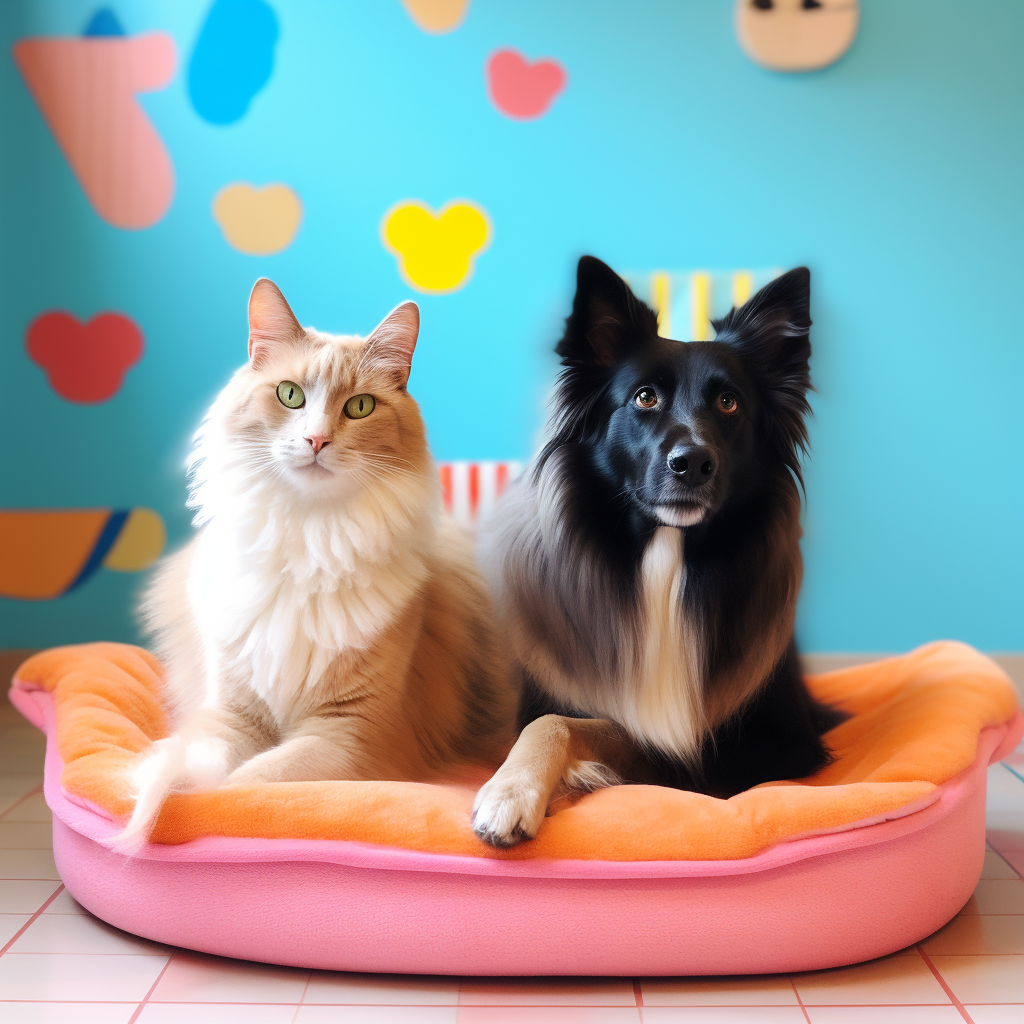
x,y
232,60
104,23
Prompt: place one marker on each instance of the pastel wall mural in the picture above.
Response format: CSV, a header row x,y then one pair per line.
x,y
522,89
437,16
84,362
258,221
232,60
86,90
465,154
796,35
686,301
46,553
436,251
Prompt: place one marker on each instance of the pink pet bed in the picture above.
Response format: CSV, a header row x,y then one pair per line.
x,y
817,901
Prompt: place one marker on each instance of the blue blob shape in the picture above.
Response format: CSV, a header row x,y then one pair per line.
x,y
104,23
233,58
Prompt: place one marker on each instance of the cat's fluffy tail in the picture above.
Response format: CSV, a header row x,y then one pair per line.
x,y
155,778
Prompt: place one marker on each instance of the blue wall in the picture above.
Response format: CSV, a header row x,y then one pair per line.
x,y
895,175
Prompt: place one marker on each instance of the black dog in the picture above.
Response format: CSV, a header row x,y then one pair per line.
x,y
647,564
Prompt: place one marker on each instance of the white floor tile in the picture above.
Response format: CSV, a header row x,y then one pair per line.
x,y
1006,1014
25,835
380,989
996,867
67,1013
24,897
535,1015
546,992
195,978
216,1013
997,896
983,979
884,1015
33,809
27,864
385,1015
723,1015
75,977
978,933
9,925
65,903
896,979
767,990
77,933
13,786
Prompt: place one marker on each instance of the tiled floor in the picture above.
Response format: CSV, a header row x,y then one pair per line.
x,y
59,964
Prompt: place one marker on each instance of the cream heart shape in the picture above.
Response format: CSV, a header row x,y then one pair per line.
x,y
258,221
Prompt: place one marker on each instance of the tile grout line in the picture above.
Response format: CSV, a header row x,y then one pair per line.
x,y
803,1009
21,800
1012,867
305,989
152,988
638,998
24,928
945,986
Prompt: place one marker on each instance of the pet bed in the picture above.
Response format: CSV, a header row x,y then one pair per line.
x,y
871,854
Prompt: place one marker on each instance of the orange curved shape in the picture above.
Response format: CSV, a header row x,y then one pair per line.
x,y
43,552
85,88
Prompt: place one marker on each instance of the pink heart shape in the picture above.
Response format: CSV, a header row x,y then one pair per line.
x,y
520,89
84,362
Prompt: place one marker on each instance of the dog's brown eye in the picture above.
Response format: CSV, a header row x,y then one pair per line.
x,y
727,403
646,398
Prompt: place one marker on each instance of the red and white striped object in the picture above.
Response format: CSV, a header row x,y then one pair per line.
x,y
471,489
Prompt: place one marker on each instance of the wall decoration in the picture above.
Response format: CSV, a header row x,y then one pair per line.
x,y
258,221
84,363
437,16
45,553
796,35
686,301
471,489
85,89
436,251
232,60
104,23
520,89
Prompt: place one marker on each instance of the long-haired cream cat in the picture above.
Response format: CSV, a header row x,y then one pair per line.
x,y
327,622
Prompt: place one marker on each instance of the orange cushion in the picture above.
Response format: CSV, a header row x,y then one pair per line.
x,y
915,725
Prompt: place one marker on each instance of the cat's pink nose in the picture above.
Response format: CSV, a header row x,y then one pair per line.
x,y
317,441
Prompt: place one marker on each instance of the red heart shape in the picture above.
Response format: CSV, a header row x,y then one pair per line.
x,y
84,362
521,89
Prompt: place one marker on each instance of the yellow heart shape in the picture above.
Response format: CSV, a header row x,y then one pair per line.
x,y
436,251
258,221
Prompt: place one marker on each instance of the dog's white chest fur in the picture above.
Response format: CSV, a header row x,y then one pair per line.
x,y
664,704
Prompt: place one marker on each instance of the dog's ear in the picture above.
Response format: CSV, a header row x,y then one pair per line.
x,y
769,334
607,319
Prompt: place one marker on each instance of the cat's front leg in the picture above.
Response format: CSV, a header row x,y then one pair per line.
x,y
320,749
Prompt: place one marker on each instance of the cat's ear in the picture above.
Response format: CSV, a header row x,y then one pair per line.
x,y
272,323
607,320
393,341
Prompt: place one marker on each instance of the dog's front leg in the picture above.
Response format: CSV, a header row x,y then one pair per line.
x,y
552,755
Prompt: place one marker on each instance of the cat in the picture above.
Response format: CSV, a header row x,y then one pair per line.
x,y
328,621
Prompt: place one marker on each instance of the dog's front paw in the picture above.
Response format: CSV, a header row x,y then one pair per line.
x,y
508,812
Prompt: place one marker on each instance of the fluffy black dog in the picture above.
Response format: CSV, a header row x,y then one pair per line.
x,y
647,564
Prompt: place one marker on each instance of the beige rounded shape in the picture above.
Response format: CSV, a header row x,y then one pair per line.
x,y
789,38
258,221
437,16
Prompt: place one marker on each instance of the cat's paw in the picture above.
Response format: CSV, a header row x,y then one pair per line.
x,y
508,812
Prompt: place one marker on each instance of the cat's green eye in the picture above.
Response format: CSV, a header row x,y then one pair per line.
x,y
359,406
290,394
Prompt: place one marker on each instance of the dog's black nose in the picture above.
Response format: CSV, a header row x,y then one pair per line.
x,y
694,465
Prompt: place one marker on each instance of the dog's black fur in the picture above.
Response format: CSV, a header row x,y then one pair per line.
x,y
734,409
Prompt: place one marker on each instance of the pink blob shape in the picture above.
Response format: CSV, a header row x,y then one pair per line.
x,y
84,363
85,88
520,89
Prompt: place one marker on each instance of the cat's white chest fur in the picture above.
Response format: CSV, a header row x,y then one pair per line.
x,y
666,706
286,601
